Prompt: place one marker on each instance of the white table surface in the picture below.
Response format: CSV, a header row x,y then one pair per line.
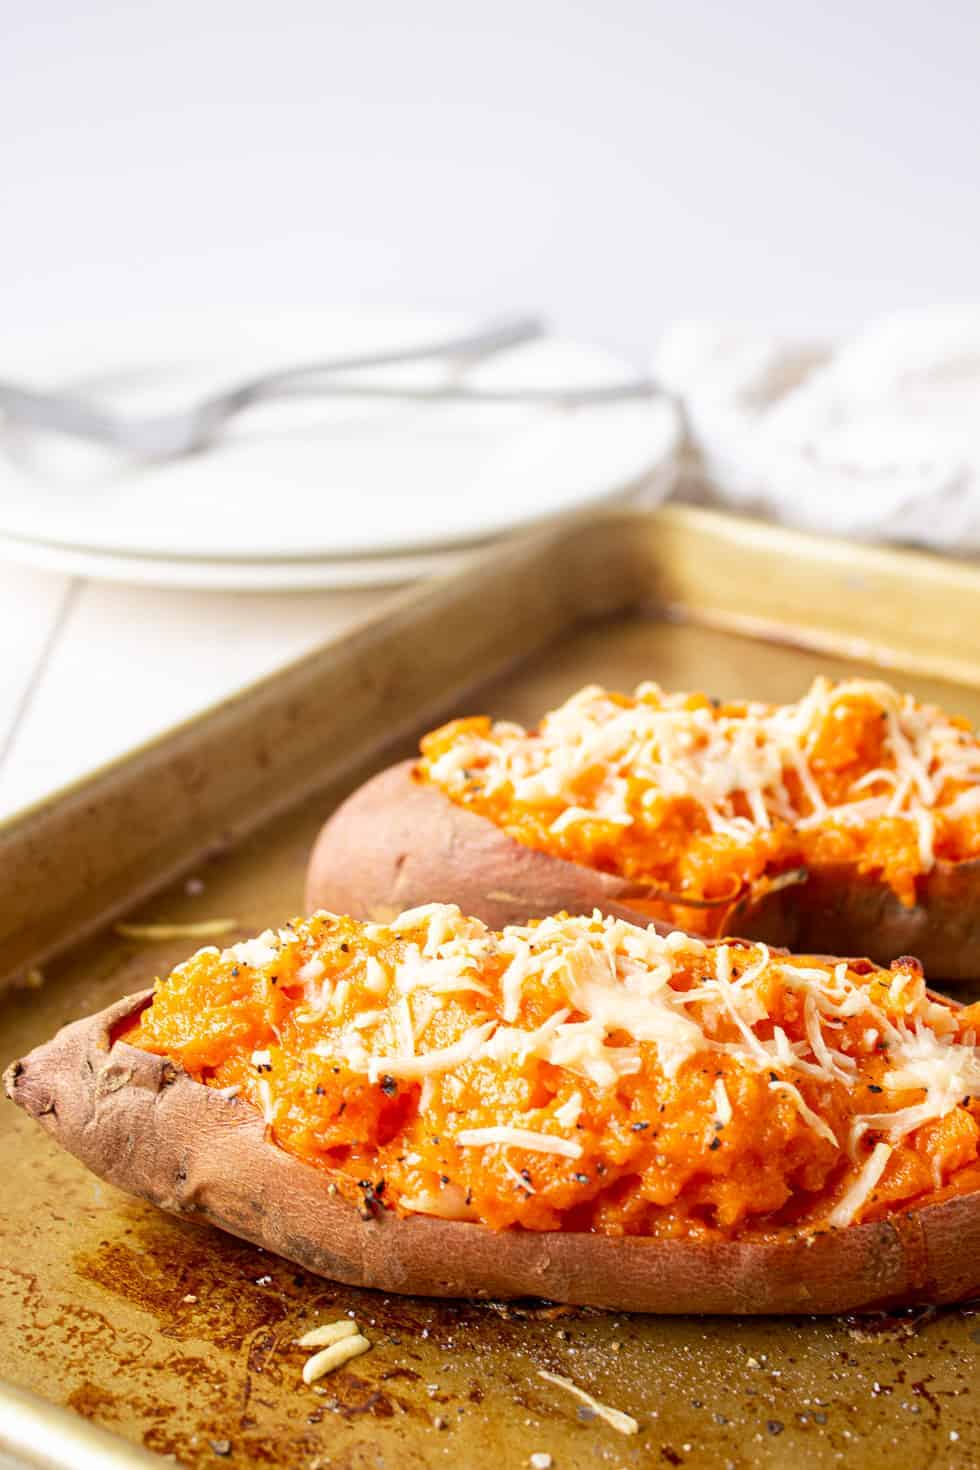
x,y
88,670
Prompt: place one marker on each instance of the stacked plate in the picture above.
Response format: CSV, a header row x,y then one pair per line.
x,y
317,491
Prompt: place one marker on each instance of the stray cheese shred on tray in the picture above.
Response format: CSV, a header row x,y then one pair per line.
x,y
583,1073
700,799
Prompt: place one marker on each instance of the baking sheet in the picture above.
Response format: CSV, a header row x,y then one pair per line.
x,y
179,1339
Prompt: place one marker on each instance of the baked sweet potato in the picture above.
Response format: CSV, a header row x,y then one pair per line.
x,y
167,1125
758,859
398,842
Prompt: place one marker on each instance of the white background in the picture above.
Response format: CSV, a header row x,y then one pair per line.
x,y
616,165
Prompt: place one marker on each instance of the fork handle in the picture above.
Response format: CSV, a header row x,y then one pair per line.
x,y
62,414
497,337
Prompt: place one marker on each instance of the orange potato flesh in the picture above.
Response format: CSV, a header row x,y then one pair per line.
x,y
670,845
653,1161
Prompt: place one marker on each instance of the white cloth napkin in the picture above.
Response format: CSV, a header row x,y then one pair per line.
x,y
877,438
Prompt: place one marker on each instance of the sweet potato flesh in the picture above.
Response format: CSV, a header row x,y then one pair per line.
x,y
327,1027
647,786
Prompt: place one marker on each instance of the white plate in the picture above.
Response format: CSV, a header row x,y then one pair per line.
x,y
244,576
280,575
315,479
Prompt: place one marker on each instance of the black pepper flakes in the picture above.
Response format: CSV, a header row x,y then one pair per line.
x,y
371,1205
388,1085
715,1143
775,1426
581,1178
873,1087
639,1127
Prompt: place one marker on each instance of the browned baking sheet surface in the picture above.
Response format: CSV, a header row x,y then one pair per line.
x,y
180,1338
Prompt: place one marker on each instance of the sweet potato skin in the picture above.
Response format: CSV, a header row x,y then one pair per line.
x,y
143,1124
836,910
398,842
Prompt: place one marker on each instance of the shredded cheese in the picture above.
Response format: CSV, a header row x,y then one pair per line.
x,y
312,970
614,1011
569,1113
723,1106
858,1192
615,1418
333,1357
330,1332
673,746
156,933
257,952
519,1180
268,1106
806,1113
441,1060
539,1143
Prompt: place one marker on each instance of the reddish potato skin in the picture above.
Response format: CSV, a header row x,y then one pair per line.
x,y
838,910
143,1124
399,841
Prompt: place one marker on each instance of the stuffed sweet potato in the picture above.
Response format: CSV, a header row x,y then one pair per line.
x,y
848,822
580,1109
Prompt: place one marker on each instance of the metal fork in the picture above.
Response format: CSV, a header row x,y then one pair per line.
x,y
171,435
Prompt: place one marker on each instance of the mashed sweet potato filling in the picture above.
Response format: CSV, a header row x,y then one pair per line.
x,y
702,800
584,1073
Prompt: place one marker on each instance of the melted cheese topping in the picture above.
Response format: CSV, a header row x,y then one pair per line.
x,y
557,1058
607,777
